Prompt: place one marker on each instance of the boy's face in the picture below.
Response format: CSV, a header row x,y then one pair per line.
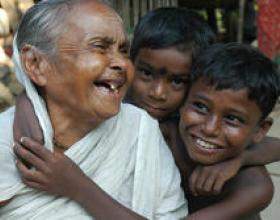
x,y
159,85
219,124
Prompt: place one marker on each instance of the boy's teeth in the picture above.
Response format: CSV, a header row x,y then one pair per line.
x,y
205,144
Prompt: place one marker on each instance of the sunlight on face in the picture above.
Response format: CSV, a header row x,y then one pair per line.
x,y
92,67
217,124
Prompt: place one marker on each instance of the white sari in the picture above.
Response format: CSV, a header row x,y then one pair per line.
x,y
126,156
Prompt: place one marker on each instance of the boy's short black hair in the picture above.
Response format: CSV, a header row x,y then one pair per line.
x,y
236,66
168,27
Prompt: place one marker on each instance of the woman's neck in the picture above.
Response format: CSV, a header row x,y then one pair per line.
x,y
68,128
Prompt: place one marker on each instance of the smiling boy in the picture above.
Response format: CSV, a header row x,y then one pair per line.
x,y
233,88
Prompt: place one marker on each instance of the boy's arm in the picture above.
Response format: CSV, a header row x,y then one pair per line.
x,y
266,151
209,180
26,123
55,173
249,192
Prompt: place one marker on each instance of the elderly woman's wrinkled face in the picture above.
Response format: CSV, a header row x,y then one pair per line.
x,y
92,70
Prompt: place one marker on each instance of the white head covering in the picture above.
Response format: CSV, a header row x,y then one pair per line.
x,y
36,100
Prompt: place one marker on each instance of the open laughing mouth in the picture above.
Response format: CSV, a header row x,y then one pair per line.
x,y
111,85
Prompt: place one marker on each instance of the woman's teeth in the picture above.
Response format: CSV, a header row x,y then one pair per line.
x,y
205,144
114,88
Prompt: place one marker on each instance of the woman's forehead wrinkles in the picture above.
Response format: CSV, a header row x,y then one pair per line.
x,y
70,48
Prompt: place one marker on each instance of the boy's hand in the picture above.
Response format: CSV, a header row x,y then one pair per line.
x,y
26,123
209,180
54,172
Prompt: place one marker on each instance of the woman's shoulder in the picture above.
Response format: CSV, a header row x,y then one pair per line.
x,y
6,129
6,122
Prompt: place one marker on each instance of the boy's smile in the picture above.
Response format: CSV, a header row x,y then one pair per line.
x,y
218,124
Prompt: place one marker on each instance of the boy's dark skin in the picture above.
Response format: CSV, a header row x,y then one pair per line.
x,y
224,114
161,43
230,190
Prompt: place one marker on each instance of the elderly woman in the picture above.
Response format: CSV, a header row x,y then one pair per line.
x,y
71,57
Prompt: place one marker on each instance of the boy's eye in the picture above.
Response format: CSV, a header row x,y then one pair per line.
x,y
178,83
144,73
234,120
200,107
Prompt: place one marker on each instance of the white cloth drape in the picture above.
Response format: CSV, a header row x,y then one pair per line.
x,y
124,154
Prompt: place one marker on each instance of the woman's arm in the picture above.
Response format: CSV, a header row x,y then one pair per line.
x,y
249,192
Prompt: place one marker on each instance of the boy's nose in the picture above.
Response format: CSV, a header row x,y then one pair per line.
x,y
158,91
211,126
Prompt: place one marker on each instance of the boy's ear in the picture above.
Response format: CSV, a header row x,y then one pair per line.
x,y
34,64
262,130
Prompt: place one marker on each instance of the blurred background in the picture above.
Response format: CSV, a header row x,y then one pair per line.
x,y
255,22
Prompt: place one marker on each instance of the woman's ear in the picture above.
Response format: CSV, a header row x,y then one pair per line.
x,y
34,64
262,129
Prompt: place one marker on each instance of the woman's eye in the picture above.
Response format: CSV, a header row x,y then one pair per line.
x,y
178,83
144,73
99,46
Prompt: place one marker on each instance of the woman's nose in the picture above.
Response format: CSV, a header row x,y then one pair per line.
x,y
119,62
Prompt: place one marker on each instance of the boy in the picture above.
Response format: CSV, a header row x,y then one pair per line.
x,y
233,90
165,44
152,68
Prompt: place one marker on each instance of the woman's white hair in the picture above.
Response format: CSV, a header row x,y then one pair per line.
x,y
42,23
40,27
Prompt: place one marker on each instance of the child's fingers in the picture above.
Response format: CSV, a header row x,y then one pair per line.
x,y
29,157
204,174
28,175
219,183
36,148
35,185
209,183
193,179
